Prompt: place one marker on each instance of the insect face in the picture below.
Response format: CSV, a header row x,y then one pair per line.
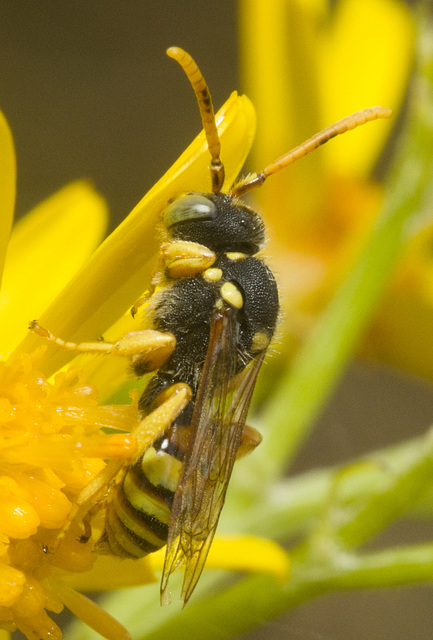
x,y
216,221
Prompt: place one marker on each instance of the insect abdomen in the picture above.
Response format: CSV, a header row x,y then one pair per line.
x,y
137,522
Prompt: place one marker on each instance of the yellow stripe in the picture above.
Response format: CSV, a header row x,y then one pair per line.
x,y
121,544
133,524
161,469
140,500
112,534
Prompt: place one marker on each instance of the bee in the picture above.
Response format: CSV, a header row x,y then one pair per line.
x,y
212,310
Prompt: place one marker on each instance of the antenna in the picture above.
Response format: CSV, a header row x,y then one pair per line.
x,y
346,124
207,114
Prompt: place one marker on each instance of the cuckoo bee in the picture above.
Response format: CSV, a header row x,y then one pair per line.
x,y
211,311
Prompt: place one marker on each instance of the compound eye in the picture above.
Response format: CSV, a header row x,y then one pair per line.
x,y
191,206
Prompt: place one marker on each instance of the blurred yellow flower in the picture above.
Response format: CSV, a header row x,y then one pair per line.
x,y
306,64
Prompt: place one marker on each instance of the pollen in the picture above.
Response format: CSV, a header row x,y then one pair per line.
x,y
51,446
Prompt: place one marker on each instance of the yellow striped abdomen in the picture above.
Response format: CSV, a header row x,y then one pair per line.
x,y
139,514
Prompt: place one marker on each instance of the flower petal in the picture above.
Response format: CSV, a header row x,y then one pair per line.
x,y
119,271
46,248
280,51
7,186
241,553
357,72
112,573
90,613
279,66
304,67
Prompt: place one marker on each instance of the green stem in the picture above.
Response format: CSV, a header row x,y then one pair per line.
x,y
385,505
291,507
261,598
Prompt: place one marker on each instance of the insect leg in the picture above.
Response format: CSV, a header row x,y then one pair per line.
x,y
172,402
142,301
180,259
148,348
251,438
185,259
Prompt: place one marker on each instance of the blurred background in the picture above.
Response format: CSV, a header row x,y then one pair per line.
x,y
89,93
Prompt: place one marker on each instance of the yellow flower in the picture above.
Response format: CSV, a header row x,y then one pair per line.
x,y
306,65
50,449
52,443
49,429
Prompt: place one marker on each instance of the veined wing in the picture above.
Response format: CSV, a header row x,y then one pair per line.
x,y
219,416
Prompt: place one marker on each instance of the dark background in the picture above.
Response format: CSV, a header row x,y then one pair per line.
x,y
89,92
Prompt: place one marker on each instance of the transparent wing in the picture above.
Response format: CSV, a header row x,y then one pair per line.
x,y
220,411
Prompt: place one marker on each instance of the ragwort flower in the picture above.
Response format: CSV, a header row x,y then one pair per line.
x,y
52,443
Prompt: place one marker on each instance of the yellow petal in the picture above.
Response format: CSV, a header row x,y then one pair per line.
x,y
119,271
90,613
305,67
112,573
46,248
317,7
279,51
366,61
7,186
241,553
279,68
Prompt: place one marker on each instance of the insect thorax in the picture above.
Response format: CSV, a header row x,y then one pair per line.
x,y
235,233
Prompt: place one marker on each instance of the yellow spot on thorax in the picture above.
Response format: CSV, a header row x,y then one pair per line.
x,y
231,294
235,255
214,275
259,342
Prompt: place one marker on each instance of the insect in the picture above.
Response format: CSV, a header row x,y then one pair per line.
x,y
212,311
